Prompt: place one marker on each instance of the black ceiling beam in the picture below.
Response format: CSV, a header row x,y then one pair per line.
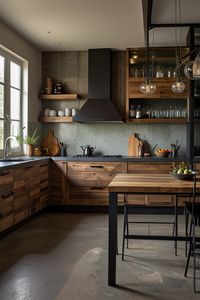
x,y
175,25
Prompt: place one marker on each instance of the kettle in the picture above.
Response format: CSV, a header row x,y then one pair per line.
x,y
88,150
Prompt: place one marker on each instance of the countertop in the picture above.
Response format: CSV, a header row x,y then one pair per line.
x,y
30,160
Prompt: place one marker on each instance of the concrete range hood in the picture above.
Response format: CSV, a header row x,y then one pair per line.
x,y
98,107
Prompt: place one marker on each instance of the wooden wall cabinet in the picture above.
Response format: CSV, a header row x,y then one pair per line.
x,y
88,181
58,183
163,106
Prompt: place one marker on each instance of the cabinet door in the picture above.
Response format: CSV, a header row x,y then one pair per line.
x,y
21,195
44,185
150,168
32,174
58,185
88,181
6,199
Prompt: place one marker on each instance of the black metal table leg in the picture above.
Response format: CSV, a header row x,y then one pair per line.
x,y
112,242
176,223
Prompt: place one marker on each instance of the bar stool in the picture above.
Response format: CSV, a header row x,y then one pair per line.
x,y
192,211
127,210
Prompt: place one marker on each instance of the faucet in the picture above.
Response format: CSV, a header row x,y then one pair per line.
x,y
5,152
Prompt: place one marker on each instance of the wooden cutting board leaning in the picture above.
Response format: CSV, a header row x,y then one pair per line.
x,y
135,146
51,143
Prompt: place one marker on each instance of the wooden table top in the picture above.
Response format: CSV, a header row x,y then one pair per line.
x,y
151,183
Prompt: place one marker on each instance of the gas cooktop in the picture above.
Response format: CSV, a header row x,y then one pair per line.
x,y
101,156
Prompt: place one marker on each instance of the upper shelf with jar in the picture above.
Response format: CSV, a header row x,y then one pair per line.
x,y
161,72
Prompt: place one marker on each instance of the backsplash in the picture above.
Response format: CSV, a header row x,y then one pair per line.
x,y
113,138
71,68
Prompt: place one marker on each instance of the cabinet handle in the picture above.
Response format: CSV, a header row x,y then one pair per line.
x,y
44,189
7,195
98,167
98,188
45,180
5,173
28,167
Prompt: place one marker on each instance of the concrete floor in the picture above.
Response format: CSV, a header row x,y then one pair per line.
x,y
64,257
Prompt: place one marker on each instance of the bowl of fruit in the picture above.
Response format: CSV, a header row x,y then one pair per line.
x,y
182,171
162,152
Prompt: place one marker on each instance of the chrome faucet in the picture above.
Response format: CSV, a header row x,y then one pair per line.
x,y
5,152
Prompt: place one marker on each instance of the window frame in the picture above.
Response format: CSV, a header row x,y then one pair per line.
x,y
11,57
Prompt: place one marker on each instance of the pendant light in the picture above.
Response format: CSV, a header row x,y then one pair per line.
x,y
192,69
148,87
178,86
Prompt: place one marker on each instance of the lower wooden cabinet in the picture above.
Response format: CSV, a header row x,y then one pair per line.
x,y
88,181
151,168
44,185
58,183
6,199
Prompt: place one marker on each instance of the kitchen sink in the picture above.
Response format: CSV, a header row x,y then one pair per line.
x,y
15,159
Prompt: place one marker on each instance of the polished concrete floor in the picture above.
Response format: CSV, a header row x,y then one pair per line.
x,y
64,257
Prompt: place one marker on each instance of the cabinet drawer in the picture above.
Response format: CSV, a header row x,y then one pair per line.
x,y
91,196
6,178
6,222
115,167
6,204
90,179
88,196
136,199
160,200
139,168
21,215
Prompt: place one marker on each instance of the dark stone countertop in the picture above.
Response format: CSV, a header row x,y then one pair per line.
x,y
30,160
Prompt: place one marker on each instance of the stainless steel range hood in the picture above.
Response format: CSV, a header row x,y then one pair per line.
x,y
98,107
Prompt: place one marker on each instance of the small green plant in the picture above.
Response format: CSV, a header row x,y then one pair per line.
x,y
30,139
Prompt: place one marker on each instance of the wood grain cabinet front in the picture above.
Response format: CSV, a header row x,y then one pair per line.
x,y
6,199
88,181
58,184
150,168
44,185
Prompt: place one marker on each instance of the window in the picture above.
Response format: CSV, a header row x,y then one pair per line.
x,y
11,93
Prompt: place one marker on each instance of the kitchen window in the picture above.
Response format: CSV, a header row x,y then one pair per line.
x,y
11,96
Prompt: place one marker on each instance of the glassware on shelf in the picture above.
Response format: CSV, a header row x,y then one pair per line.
x,y
138,112
159,72
132,112
146,112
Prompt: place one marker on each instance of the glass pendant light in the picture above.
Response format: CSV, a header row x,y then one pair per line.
x,y
147,87
178,86
192,69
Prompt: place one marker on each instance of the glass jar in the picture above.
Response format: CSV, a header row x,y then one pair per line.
x,y
159,72
57,87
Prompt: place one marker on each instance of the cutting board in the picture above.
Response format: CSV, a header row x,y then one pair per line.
x,y
133,145
51,143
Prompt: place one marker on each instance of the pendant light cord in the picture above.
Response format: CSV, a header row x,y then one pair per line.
x,y
147,55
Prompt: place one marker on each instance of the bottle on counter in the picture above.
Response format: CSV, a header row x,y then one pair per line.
x,y
138,112
132,112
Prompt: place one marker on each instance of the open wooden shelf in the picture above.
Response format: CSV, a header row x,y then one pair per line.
x,y
59,97
174,120
55,119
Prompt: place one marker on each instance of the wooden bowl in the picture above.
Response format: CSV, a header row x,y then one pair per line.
x,y
162,154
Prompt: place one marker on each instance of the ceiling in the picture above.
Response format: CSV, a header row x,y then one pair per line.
x,y
76,24
82,24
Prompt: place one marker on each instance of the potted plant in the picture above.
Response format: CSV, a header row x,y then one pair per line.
x,y
30,140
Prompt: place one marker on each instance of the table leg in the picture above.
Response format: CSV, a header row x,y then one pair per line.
x,y
112,242
176,223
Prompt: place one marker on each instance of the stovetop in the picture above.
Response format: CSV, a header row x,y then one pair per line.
x,y
101,156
